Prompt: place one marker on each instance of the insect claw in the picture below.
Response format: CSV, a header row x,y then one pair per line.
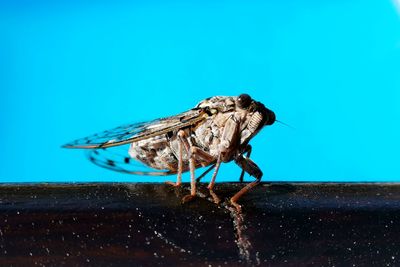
x,y
216,199
173,184
236,205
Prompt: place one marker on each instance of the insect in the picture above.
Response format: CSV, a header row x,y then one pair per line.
x,y
216,130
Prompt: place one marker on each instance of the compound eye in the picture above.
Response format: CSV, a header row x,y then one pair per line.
x,y
244,101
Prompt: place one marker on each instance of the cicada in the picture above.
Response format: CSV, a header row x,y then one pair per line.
x,y
216,130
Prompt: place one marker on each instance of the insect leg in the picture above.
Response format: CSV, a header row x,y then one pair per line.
x,y
251,168
206,158
205,173
212,182
189,148
180,165
248,151
201,156
229,139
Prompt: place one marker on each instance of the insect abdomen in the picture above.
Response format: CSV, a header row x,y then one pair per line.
x,y
154,152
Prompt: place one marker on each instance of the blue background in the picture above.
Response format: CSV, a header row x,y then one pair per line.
x,y
328,68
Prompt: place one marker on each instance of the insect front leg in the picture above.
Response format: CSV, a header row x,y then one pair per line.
x,y
248,151
251,168
229,139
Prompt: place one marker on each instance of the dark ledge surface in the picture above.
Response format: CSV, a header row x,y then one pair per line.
x,y
127,224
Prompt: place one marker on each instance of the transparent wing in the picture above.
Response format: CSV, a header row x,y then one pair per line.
x,y
118,159
129,133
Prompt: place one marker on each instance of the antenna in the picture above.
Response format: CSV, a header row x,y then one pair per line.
x,y
281,122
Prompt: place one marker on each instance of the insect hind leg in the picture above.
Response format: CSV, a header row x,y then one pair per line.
x,y
184,142
206,158
193,152
180,163
192,167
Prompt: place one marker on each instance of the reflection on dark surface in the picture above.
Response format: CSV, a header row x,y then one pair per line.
x,y
146,224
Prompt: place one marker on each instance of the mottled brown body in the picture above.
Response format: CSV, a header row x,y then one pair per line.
x,y
161,152
217,130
